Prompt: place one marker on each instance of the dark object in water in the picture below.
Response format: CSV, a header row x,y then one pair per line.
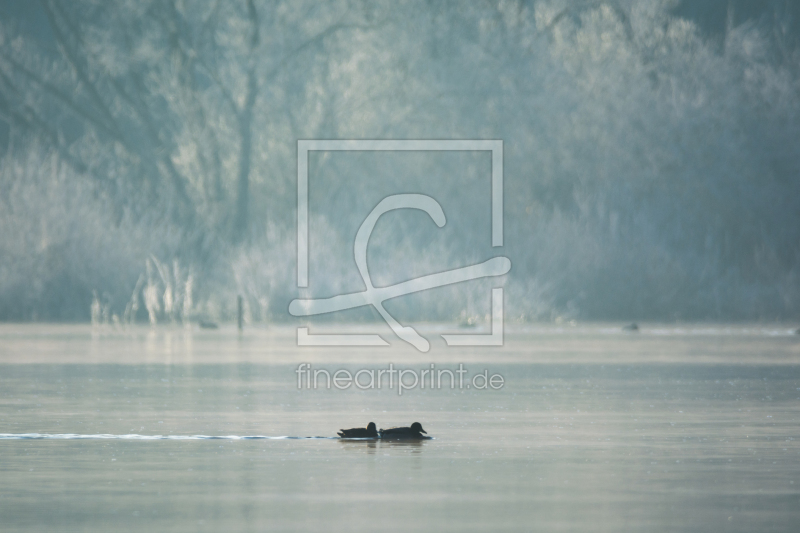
x,y
413,432
630,327
207,324
369,432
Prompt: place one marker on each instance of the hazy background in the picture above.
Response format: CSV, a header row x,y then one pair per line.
x,y
148,155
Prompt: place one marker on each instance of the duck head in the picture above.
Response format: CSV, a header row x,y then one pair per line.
x,y
416,426
371,427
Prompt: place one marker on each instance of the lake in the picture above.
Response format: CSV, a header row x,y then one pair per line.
x,y
674,428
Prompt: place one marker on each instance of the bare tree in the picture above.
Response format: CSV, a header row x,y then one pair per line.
x,y
160,100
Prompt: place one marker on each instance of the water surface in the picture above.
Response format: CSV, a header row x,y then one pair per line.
x,y
691,428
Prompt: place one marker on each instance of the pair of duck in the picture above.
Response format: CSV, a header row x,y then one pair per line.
x,y
415,431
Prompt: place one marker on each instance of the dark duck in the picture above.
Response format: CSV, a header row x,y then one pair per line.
x,y
369,432
413,432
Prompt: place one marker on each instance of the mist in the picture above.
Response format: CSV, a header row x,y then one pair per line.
x,y
148,156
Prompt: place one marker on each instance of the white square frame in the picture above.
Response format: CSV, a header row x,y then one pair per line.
x,y
304,146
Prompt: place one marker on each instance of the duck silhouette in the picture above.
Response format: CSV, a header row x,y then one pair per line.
x,y
369,432
413,432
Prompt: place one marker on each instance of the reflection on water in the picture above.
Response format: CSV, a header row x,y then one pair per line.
x,y
386,446
595,430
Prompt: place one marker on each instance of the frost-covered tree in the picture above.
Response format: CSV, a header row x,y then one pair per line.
x,y
176,103
651,167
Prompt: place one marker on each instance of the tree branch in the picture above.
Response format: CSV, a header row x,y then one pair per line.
x,y
64,99
71,56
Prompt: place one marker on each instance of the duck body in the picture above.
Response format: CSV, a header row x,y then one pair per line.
x,y
369,432
415,431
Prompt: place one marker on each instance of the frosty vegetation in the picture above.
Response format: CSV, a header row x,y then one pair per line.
x,y
652,169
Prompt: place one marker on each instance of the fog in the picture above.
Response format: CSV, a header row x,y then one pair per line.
x,y
149,156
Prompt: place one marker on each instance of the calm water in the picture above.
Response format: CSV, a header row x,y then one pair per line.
x,y
691,428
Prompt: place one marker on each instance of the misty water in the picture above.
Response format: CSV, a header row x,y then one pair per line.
x,y
673,428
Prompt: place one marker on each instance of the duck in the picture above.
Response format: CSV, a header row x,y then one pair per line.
x,y
413,432
631,327
369,432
